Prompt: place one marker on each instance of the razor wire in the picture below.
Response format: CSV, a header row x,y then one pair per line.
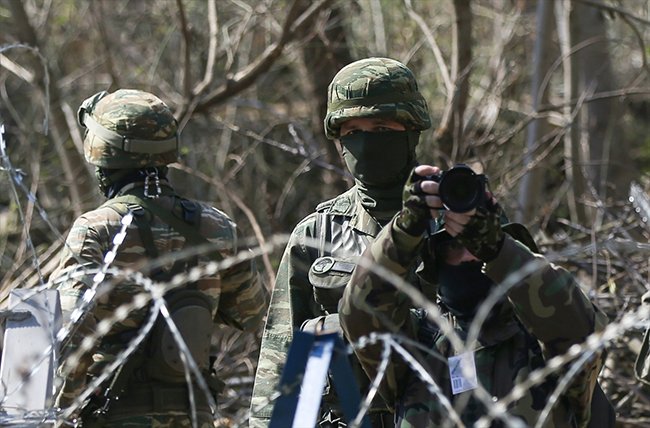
x,y
570,363
391,342
101,286
155,292
106,276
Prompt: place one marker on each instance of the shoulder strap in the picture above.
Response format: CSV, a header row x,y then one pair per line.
x,y
141,221
190,232
321,231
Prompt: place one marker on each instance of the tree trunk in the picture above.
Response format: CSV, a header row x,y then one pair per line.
x,y
532,183
611,166
323,57
574,160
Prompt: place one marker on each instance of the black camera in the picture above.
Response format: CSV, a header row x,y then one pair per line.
x,y
460,188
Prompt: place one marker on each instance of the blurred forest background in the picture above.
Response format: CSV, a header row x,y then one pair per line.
x,y
551,99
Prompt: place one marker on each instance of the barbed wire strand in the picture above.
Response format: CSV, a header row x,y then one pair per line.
x,y
577,355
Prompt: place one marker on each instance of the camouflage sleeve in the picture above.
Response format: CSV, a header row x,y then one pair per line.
x,y
554,310
244,298
82,250
642,364
370,300
290,307
240,296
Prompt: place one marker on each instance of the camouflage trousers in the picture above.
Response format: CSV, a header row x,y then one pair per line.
x,y
332,419
154,405
204,420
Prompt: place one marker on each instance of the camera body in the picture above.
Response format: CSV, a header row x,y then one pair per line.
x,y
460,188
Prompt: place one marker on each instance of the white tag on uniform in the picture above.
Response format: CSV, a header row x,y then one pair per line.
x,y
462,371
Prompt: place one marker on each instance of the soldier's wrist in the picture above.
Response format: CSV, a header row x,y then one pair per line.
x,y
411,224
405,241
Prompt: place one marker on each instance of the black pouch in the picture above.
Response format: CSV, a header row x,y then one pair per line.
x,y
329,276
191,312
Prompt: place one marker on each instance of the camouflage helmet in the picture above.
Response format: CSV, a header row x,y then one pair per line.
x,y
375,88
128,129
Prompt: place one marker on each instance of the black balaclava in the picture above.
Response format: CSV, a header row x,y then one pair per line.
x,y
380,163
111,181
462,288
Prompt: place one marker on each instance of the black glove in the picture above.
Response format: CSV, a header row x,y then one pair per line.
x,y
415,214
483,235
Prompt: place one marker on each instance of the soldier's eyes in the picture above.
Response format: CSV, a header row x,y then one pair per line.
x,y
387,128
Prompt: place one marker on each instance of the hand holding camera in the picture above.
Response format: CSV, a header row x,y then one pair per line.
x,y
460,189
483,235
416,209
472,215
429,189
463,191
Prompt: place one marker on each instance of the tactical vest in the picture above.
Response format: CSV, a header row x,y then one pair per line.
x,y
190,309
161,359
339,248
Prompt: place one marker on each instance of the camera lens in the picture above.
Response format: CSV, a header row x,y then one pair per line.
x,y
460,190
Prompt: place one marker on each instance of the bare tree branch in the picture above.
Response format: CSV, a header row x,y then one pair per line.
x,y
379,29
639,38
185,51
97,12
612,9
263,63
450,131
444,71
213,24
80,187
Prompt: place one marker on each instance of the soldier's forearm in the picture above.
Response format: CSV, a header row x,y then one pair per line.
x,y
548,302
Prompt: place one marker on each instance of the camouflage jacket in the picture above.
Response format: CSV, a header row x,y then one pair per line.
x,y
315,268
642,364
545,311
238,297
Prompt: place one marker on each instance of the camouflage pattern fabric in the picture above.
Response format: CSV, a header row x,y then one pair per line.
x,y
238,297
548,304
298,302
134,114
204,420
642,364
415,214
483,235
379,88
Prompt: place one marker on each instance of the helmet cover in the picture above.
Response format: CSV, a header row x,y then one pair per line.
x,y
128,129
375,88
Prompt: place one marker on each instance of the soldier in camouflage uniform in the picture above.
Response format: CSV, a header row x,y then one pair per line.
x,y
131,137
376,111
544,314
642,364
